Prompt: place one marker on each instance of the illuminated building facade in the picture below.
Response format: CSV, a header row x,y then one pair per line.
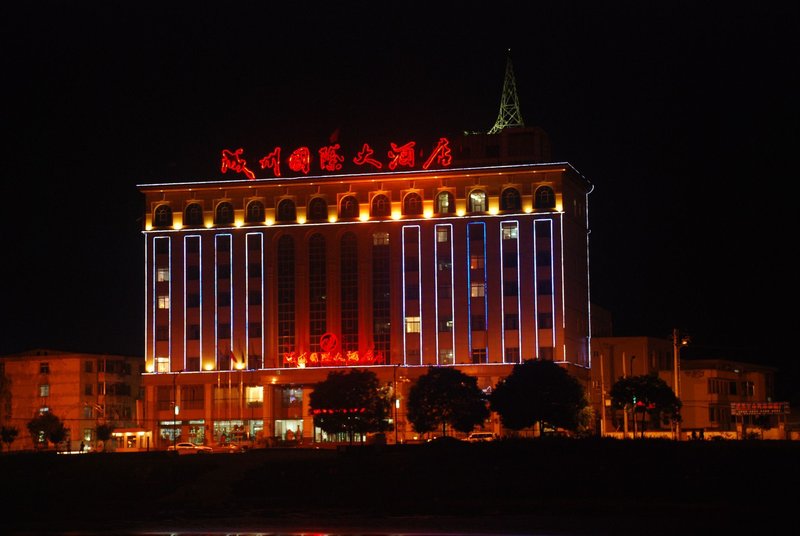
x,y
83,390
257,288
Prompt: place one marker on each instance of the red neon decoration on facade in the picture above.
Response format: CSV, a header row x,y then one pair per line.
x,y
401,155
365,157
329,158
234,162
272,161
300,160
441,154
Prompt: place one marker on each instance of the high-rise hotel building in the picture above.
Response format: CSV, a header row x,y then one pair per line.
x,y
470,252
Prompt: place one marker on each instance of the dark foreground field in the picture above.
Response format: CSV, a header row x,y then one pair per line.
x,y
540,487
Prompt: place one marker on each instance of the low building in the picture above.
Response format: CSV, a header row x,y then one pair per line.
x,y
83,390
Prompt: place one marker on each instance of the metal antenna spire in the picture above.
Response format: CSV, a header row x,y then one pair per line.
x,y
509,115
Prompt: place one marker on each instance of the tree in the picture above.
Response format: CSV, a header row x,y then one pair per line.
x,y
49,427
104,432
8,434
351,402
646,395
446,396
542,392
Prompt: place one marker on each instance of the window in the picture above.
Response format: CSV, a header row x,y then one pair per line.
x,y
509,232
544,197
318,209
254,297
510,200
442,233
512,355
510,288
224,299
412,204
348,208
380,239
87,389
162,333
412,292
254,270
254,212
478,323
545,321
413,324
445,203
286,210
479,355
192,273
162,275
193,215
163,302
224,213
193,300
88,366
381,206
476,262
44,367
478,290
162,216
254,330
162,364
224,271
193,332
224,331
477,201
44,390
445,324
446,357
511,321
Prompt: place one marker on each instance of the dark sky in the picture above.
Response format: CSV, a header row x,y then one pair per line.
x,y
681,116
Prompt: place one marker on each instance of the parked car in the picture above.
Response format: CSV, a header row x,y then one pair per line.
x,y
190,448
479,437
228,448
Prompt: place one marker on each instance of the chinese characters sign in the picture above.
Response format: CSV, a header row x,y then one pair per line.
x,y
331,158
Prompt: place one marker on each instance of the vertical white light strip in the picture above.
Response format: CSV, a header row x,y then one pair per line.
x,y
485,296
588,286
552,287
469,292
200,287
436,285
154,304
260,238
451,240
403,268
419,288
502,295
513,224
448,227
563,286
185,306
146,283
230,293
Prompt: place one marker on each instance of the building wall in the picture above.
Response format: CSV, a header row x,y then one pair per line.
x,y
482,285
83,390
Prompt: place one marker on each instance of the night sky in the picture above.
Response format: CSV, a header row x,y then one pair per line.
x,y
681,116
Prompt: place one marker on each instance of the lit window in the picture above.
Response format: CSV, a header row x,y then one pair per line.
x,y
477,201
509,232
44,390
162,364
476,262
163,302
442,234
254,395
478,290
413,324
380,239
162,275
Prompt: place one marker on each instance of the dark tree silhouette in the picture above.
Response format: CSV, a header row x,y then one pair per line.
x,y
446,396
48,425
351,402
8,434
645,394
540,392
104,432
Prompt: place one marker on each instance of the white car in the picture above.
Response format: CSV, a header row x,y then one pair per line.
x,y
190,448
477,437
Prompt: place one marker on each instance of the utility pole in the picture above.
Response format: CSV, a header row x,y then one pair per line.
x,y
677,344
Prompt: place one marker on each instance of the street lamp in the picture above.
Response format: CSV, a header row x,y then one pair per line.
x,y
176,410
678,342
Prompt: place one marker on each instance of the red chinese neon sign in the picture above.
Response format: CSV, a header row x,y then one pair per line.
x,y
331,158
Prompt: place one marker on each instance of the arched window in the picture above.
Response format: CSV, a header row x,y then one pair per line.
x,y
412,204
445,203
193,215
510,200
477,201
254,212
224,213
348,208
544,197
317,209
286,211
162,216
381,206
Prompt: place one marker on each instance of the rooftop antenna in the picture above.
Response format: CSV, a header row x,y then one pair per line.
x,y
509,115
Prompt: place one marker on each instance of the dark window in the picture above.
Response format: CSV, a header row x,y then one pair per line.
x,y
511,321
193,332
286,211
193,215
192,273
348,209
381,206
162,216
510,200
224,213
544,197
318,209
255,212
193,300
412,204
